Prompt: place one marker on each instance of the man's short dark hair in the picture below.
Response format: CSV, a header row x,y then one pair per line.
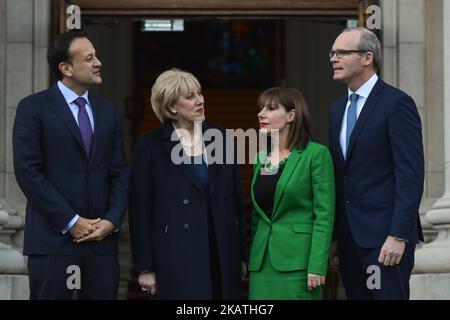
x,y
59,52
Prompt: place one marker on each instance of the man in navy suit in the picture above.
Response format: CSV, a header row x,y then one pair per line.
x,y
376,143
70,163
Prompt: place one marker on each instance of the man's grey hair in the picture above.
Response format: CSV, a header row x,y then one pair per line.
x,y
369,42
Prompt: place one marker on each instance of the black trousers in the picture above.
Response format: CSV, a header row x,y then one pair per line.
x,y
55,277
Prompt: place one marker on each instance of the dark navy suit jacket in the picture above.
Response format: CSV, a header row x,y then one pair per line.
x,y
379,187
59,180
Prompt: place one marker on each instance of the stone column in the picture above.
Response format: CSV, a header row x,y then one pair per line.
x,y
411,52
11,260
431,279
24,36
13,284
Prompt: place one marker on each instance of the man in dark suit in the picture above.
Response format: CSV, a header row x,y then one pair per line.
x,y
376,144
70,163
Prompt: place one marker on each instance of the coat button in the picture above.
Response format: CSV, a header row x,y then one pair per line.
x,y
186,226
348,202
185,201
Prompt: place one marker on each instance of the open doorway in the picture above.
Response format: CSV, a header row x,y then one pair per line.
x,y
235,59
297,37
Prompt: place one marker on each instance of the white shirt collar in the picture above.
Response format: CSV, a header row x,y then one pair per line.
x,y
366,88
69,94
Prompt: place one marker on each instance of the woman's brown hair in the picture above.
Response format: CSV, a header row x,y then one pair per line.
x,y
291,99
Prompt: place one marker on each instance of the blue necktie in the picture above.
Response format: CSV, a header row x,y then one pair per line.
x,y
84,124
351,118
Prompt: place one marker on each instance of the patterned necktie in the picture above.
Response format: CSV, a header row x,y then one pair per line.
x,y
84,124
351,118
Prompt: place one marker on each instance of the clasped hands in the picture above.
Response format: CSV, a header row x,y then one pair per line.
x,y
91,229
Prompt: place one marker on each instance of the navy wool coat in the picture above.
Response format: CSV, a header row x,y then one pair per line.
x,y
169,223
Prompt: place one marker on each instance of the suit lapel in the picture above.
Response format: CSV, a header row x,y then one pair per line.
x,y
256,172
291,164
213,168
169,145
365,115
59,106
98,125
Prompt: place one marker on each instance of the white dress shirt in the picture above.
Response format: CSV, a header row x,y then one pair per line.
x,y
363,92
70,96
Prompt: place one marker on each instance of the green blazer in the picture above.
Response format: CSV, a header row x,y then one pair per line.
x,y
299,233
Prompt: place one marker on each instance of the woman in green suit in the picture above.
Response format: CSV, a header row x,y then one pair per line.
x,y
293,203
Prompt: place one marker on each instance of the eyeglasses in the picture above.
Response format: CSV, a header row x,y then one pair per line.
x,y
340,53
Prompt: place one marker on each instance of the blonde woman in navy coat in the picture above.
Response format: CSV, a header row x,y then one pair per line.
x,y
186,220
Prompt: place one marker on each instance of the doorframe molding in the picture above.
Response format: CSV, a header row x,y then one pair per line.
x,y
218,7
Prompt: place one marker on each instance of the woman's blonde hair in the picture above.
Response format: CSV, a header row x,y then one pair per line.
x,y
168,87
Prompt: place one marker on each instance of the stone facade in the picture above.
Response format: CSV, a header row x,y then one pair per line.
x,y
416,36
432,270
24,33
416,40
